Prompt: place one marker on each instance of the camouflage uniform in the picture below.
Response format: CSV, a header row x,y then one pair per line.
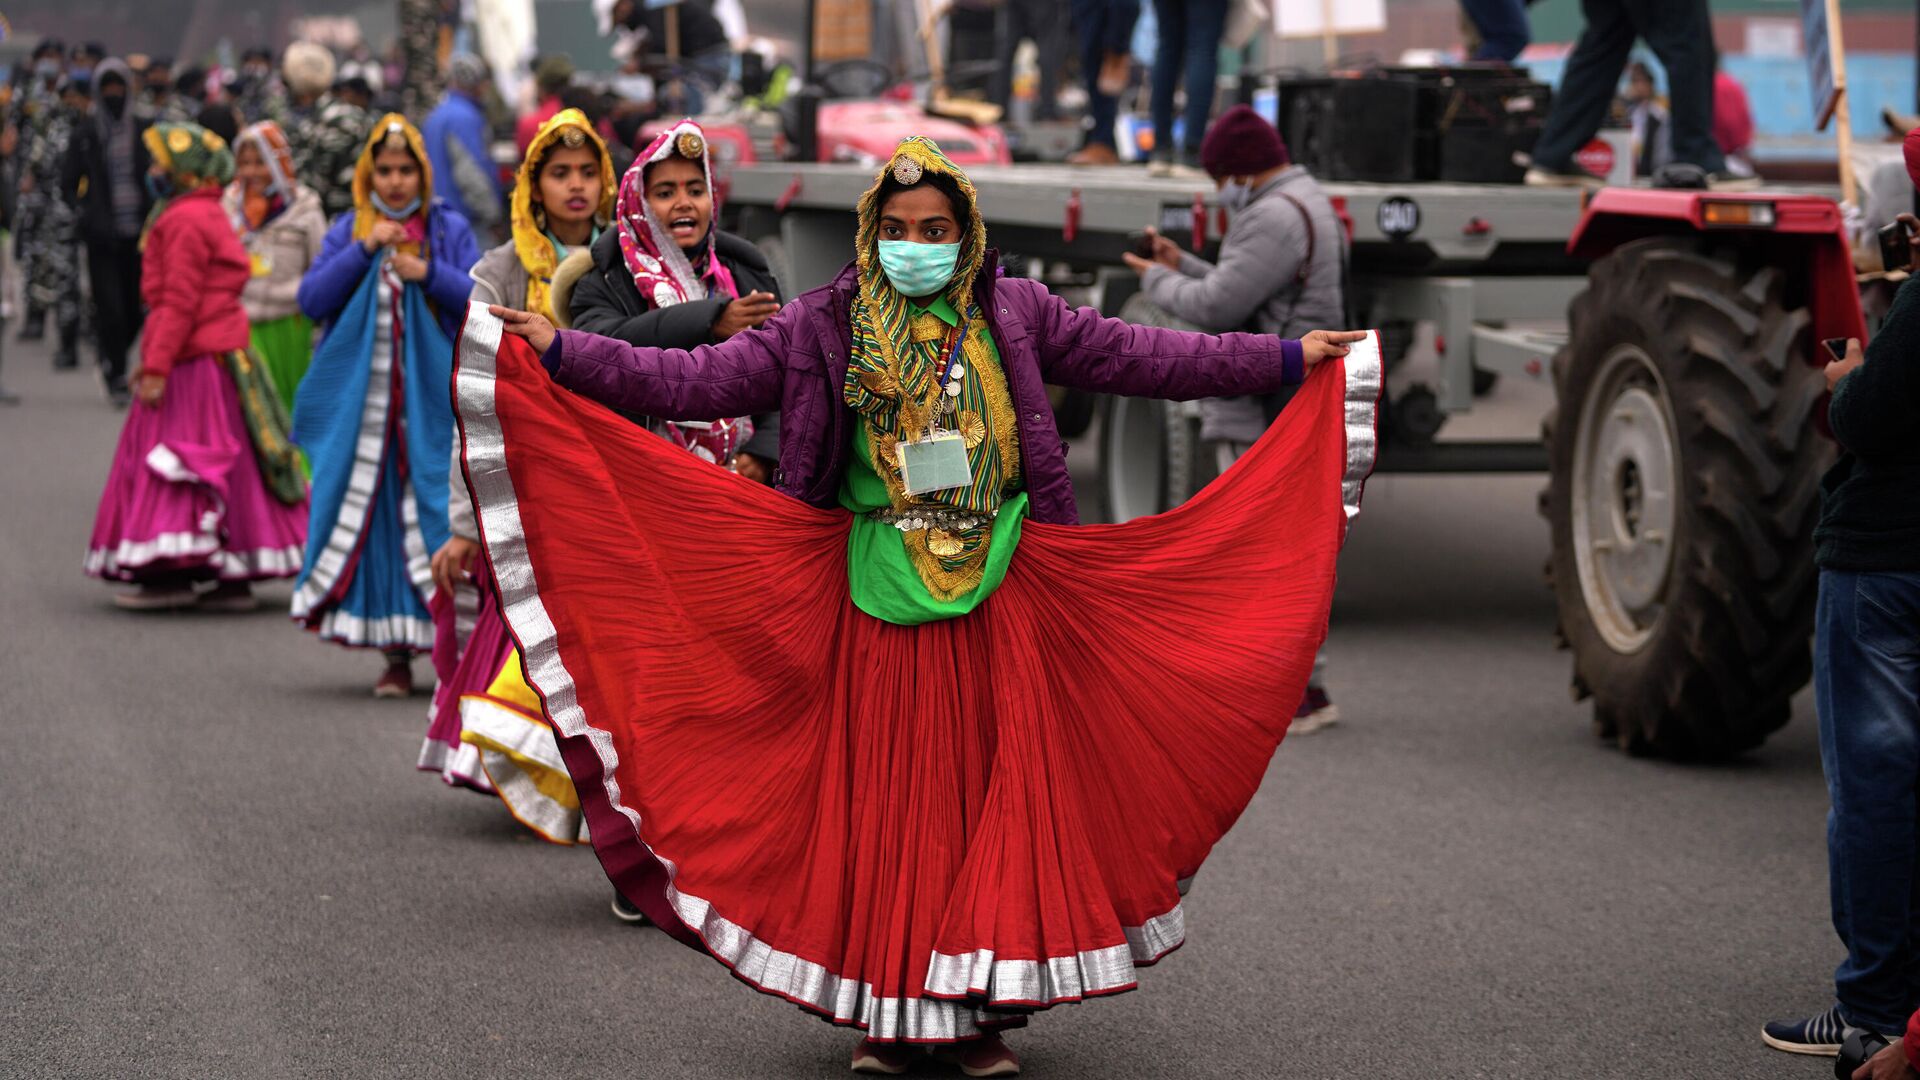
x,y
326,145
179,109
420,56
263,100
51,242
34,103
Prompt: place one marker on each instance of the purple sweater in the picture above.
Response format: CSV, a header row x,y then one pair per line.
x,y
797,363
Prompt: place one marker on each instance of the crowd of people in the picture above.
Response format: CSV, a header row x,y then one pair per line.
x,y
559,463
552,429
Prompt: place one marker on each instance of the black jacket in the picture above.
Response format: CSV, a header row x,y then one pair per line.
x,y
606,302
1870,499
87,160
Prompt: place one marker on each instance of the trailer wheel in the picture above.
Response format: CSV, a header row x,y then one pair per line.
x,y
1684,486
1133,457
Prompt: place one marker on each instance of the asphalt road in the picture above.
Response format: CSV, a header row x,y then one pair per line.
x,y
218,860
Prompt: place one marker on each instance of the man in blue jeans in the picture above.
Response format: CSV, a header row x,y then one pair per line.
x,y
1187,55
1867,679
1680,33
1106,42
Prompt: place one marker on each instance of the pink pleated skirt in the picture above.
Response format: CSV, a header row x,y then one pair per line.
x,y
185,497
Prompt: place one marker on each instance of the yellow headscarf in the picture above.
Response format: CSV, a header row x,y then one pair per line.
x,y
568,127
365,214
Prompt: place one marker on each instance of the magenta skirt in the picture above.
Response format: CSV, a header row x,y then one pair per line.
x,y
185,495
470,645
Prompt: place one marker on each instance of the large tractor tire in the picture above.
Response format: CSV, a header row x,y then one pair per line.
x,y
1685,483
1149,450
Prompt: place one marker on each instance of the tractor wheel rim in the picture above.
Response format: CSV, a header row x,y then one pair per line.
x,y
1625,481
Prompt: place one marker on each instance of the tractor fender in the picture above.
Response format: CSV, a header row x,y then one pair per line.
x,y
1806,238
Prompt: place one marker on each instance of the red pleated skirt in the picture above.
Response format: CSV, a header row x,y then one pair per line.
x,y
926,832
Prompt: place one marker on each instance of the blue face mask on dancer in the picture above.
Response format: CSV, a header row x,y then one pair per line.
x,y
918,269
399,214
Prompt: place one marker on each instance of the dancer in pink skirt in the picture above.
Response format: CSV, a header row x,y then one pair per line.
x,y
204,488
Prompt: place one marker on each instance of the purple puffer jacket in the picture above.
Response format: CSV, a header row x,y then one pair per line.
x,y
797,363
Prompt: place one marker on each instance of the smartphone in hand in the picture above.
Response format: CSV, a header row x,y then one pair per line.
x,y
1141,244
1836,347
1896,248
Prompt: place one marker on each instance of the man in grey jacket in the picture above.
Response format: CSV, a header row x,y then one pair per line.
x,y
1279,273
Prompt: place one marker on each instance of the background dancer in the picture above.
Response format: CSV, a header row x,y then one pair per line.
x,y
391,285
668,276
280,221
204,486
486,731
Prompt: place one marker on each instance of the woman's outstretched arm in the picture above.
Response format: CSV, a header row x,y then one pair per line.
x,y
1080,348
739,376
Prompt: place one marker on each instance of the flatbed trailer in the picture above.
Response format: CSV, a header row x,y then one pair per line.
x,y
1471,259
1681,333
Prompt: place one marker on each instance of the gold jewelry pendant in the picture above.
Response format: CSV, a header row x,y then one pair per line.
x,y
944,544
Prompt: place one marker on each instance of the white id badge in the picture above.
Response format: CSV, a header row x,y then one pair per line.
x,y
935,463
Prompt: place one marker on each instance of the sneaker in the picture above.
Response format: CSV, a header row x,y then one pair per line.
x,y
156,598
626,912
1571,176
1160,166
1820,1035
985,1056
1315,712
884,1059
395,682
233,597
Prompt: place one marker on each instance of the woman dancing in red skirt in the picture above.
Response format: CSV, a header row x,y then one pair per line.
x,y
897,740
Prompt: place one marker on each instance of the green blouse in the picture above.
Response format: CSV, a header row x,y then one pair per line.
x,y
880,577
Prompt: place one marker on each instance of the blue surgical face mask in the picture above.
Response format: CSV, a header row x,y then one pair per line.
x,y
918,269
1234,195
396,213
160,187
46,68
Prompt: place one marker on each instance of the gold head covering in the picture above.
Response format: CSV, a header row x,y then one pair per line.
x,y
569,127
894,383
365,214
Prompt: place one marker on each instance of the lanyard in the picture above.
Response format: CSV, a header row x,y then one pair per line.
x,y
948,378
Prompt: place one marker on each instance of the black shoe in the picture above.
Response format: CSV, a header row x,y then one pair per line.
x,y
624,910
1819,1035
66,360
34,326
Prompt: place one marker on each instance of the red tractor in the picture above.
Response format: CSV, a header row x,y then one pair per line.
x,y
1685,451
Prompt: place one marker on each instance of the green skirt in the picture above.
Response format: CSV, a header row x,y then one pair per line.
x,y
285,348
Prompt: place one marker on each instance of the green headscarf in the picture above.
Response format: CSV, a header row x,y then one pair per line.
x,y
193,158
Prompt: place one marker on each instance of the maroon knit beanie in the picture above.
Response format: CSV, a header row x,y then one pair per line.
x,y
1912,152
1241,143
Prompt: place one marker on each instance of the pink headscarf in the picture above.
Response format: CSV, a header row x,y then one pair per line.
x,y
664,276
659,268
